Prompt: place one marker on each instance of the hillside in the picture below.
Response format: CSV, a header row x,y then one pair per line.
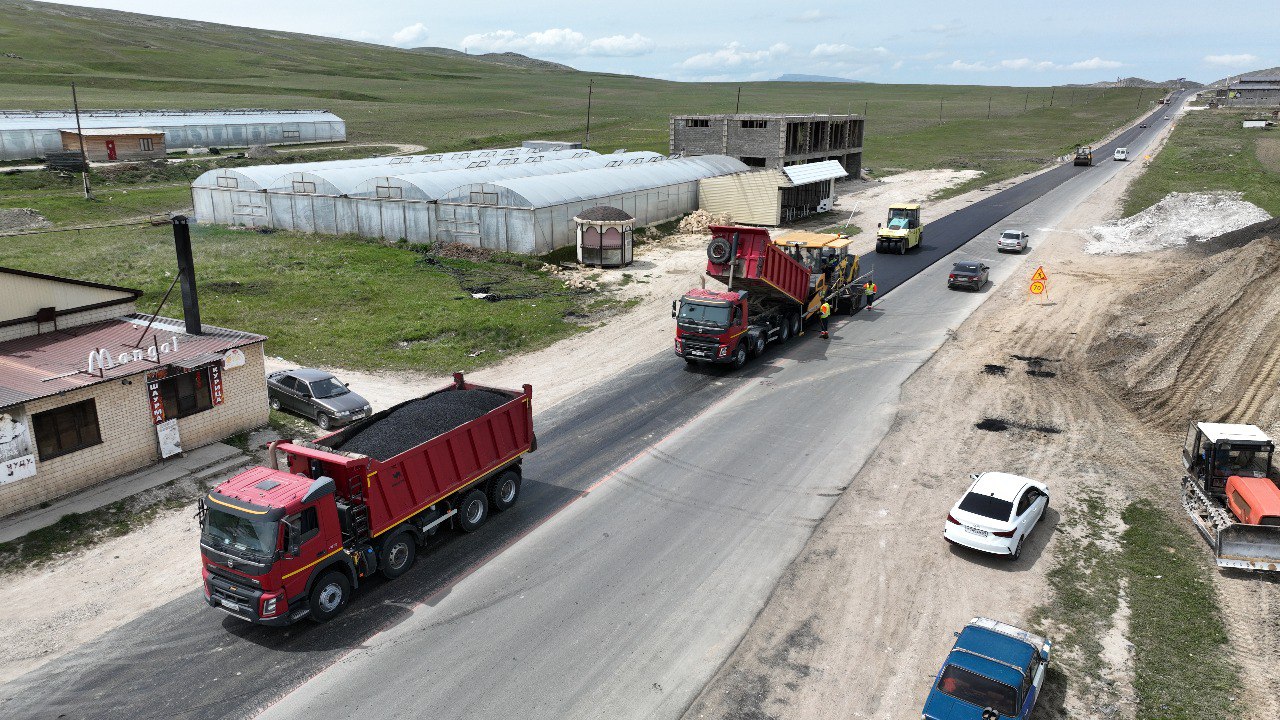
x,y
1274,71
1137,82
794,77
447,100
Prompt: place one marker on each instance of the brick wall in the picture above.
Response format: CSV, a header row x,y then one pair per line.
x,y
128,435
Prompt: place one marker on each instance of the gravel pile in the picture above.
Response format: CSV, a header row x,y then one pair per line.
x,y
418,421
1176,220
21,219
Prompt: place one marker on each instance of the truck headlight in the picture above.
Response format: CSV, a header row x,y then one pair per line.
x,y
679,345
723,352
271,604
269,607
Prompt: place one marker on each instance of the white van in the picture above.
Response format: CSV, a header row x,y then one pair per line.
x,y
1121,154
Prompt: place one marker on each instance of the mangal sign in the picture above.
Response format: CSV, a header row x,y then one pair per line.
x,y
102,359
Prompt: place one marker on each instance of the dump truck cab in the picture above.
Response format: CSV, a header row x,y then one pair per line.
x,y
832,268
1084,155
901,231
1214,452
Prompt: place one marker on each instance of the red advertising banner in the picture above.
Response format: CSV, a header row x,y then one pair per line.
x,y
215,383
153,392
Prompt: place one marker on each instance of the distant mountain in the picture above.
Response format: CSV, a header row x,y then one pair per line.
x,y
1275,71
792,77
1138,82
510,59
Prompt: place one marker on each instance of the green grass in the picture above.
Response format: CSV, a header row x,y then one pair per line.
x,y
338,301
1209,150
451,103
1180,643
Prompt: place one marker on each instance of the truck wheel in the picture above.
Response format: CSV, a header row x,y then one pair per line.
x,y
473,510
796,324
504,491
784,330
740,355
718,251
397,555
328,596
757,346
879,246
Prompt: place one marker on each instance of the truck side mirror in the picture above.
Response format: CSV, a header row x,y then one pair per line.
x,y
293,535
673,308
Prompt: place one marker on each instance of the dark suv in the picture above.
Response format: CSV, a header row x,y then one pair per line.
x,y
315,394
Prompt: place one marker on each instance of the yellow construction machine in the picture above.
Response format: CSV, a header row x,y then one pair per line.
x,y
833,270
903,230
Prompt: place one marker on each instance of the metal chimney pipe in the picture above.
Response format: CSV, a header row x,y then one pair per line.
x,y
187,273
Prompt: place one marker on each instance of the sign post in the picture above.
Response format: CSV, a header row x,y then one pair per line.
x,y
1040,282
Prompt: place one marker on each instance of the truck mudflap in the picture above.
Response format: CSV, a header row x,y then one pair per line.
x,y
1249,547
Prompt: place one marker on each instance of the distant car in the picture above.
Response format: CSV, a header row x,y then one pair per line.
x,y
1142,125
994,670
1166,117
1120,154
997,513
1014,240
315,394
968,274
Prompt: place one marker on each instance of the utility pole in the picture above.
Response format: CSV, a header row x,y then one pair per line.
x,y
1051,91
939,111
1139,104
988,107
738,103
1072,99
84,173
590,86
866,106
1026,100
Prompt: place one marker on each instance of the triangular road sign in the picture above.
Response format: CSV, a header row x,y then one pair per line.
x,y
1039,275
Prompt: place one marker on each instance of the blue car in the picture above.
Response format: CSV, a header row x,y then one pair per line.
x,y
994,671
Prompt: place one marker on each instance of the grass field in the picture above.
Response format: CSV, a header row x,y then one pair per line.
x,y
1210,150
342,302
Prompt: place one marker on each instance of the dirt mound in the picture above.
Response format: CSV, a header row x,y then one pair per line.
x,y
1203,343
21,219
1174,221
258,152
700,221
417,421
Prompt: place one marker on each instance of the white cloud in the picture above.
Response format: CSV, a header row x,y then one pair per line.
x,y
1095,63
811,16
559,41
834,50
734,55
1241,60
409,36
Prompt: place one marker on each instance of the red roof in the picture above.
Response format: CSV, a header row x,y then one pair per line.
x,y
704,294
54,362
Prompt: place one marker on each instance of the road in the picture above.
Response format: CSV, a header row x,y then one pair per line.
x,y
658,514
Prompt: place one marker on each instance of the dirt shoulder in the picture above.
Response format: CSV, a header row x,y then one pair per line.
x,y
860,622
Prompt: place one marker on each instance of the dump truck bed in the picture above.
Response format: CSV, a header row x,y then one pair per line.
x,y
759,266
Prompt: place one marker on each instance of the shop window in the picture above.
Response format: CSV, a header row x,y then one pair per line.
x,y
145,145
186,394
67,429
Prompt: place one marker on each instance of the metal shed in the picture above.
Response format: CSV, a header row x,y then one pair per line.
x,y
534,215
772,197
30,134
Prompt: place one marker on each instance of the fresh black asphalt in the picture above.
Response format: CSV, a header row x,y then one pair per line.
x,y
186,660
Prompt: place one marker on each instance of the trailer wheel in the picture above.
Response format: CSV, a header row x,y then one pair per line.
x,y
473,510
504,491
328,596
398,555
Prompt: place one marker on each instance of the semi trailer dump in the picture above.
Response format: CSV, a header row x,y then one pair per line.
x,y
772,288
278,545
1230,495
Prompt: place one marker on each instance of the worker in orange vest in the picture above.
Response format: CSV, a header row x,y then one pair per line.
x,y
824,312
870,290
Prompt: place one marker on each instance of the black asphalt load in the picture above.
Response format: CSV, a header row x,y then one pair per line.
x,y
417,421
187,660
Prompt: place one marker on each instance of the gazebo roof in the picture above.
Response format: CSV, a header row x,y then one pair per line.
x,y
604,213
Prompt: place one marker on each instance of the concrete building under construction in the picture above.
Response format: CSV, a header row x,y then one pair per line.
x,y
772,140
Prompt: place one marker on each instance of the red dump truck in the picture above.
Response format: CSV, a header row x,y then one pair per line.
x,y
280,545
773,288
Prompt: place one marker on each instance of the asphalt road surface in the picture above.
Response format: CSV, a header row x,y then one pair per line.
x,y
658,513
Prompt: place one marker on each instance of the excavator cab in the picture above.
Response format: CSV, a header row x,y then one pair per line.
x,y
1214,452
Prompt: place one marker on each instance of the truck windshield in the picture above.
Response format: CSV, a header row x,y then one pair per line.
x,y
697,313
978,689
235,535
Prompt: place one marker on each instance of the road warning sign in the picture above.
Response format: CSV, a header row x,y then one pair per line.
x,y
1037,287
1039,275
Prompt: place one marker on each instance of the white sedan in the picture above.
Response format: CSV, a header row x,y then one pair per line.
x,y
996,513
1014,240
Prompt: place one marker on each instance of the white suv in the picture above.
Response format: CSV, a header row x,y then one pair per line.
x,y
1121,154
1013,240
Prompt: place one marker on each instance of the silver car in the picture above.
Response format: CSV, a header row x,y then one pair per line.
x,y
316,394
1011,241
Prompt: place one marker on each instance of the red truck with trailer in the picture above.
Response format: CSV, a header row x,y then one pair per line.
x,y
773,288
280,545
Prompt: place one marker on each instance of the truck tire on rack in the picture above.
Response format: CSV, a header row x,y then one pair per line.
x,y
504,490
718,251
328,596
473,510
397,555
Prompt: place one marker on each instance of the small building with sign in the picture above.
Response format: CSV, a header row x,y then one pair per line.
x,y
116,144
91,389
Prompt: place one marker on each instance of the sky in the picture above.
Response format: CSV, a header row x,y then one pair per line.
x,y
979,42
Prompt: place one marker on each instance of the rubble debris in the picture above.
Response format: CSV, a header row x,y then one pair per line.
x,y
21,219
700,221
1174,221
260,151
